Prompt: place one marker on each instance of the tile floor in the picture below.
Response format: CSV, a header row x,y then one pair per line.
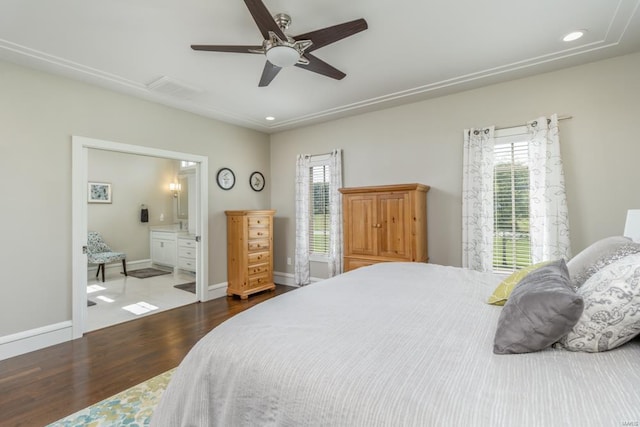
x,y
122,297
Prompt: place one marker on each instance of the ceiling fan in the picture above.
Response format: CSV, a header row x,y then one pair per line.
x,y
283,50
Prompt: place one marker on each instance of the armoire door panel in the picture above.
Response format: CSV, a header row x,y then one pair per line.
x,y
362,231
395,224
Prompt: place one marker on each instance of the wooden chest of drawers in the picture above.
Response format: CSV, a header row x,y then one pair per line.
x,y
249,252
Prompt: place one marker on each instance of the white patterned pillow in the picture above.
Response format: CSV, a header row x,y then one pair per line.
x,y
599,255
611,315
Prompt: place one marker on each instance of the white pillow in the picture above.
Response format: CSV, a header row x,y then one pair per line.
x,y
597,255
611,315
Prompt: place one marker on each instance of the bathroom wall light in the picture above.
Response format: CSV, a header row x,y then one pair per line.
x,y
174,187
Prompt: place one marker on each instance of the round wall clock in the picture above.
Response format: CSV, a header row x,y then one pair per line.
x,y
226,179
256,180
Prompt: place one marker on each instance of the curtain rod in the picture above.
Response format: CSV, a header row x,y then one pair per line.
x,y
322,154
524,124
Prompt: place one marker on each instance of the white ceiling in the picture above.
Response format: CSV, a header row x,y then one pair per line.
x,y
412,50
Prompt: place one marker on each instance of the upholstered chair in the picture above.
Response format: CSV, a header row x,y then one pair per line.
x,y
98,252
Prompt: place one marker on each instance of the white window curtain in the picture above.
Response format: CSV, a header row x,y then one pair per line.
x,y
335,213
301,268
334,254
477,199
549,217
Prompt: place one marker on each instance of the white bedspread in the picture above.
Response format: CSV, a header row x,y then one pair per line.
x,y
394,344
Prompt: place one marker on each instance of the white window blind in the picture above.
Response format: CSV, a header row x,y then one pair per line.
x,y
319,220
511,240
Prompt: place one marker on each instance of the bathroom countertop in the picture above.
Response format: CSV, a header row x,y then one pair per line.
x,y
169,228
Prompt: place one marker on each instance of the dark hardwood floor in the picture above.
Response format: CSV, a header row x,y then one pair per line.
x,y
45,385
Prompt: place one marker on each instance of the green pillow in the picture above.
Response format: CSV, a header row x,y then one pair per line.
x,y
502,292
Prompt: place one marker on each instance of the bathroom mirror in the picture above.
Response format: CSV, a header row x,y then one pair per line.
x,y
183,197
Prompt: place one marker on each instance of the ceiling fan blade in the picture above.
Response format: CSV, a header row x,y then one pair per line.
x,y
332,34
268,74
319,66
223,48
263,18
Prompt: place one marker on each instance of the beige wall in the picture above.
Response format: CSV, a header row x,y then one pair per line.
x,y
39,113
422,142
135,180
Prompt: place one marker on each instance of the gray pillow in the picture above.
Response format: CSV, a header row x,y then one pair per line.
x,y
542,308
584,264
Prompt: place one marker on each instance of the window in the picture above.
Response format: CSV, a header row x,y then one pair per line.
x,y
514,207
318,214
319,220
511,236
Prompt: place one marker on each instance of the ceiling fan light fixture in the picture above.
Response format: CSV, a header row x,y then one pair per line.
x,y
283,56
282,50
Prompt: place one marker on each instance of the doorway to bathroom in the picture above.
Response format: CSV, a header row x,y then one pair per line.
x,y
156,197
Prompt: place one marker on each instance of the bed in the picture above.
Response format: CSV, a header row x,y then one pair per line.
x,y
406,344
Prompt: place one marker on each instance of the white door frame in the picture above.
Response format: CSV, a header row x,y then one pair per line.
x,y
79,177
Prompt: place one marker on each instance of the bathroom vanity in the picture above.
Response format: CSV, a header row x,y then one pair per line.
x,y
172,247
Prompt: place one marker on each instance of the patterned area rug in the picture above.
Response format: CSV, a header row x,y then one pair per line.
x,y
189,287
132,407
143,273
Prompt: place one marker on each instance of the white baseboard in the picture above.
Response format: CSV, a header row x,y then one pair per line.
x,y
284,279
35,339
218,290
288,279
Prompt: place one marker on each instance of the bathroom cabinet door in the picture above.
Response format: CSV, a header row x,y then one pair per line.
x,y
163,248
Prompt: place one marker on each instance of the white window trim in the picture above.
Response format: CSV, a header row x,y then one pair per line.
x,y
318,258
506,132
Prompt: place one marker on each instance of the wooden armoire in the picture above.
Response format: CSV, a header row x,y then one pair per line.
x,y
384,223
249,252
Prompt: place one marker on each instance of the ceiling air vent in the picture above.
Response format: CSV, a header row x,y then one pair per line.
x,y
171,87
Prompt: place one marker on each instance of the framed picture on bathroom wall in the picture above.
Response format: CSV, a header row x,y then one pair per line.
x,y
99,192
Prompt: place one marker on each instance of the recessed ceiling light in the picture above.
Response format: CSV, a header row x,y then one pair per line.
x,y
574,35
270,118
